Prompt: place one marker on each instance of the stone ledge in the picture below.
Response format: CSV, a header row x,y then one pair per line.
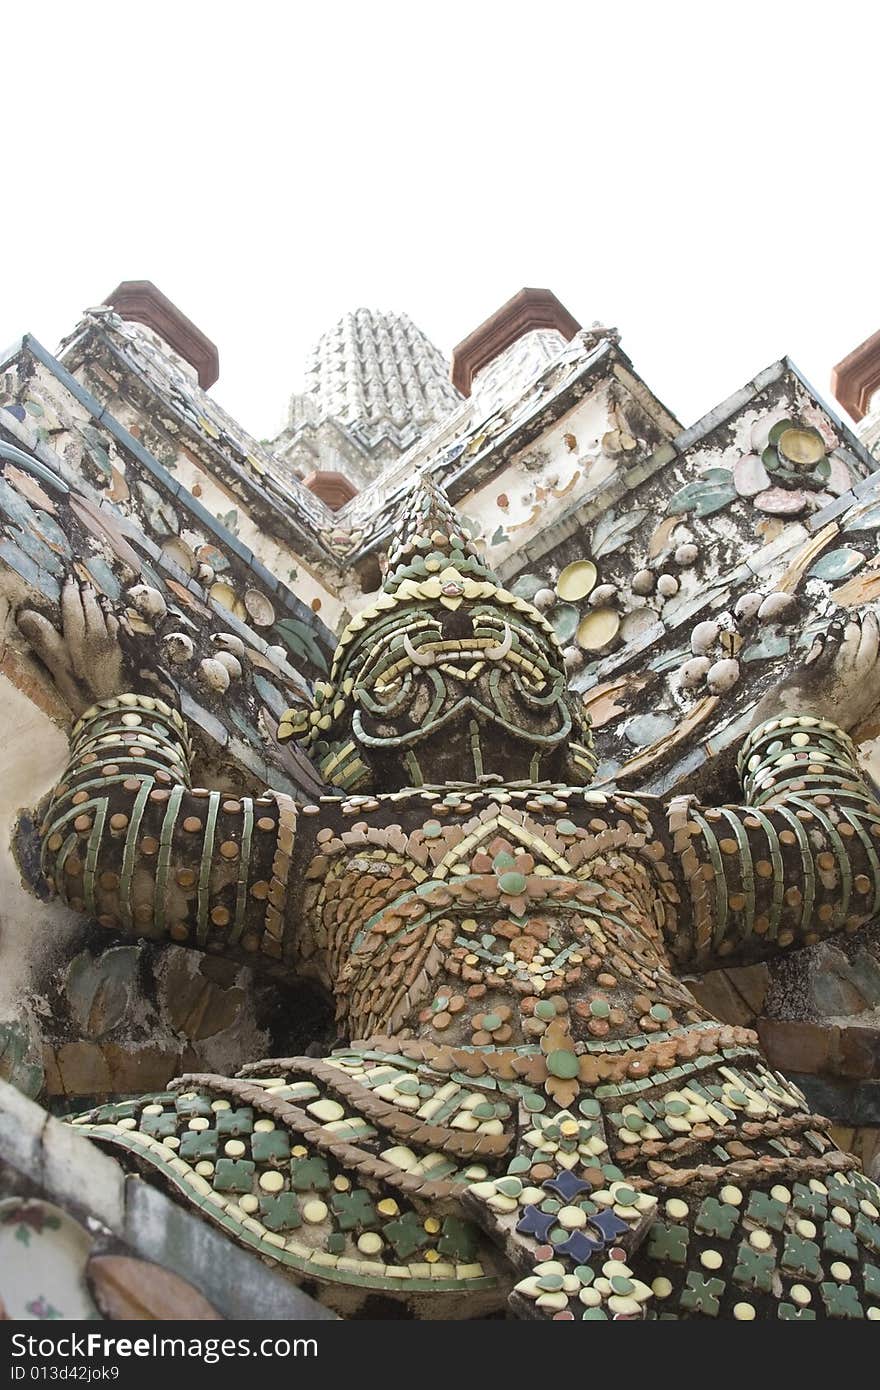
x,y
21,1130
71,1171
78,1174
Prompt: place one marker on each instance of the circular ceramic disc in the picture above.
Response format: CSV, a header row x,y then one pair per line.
x,y
224,594
803,448
259,608
637,622
576,580
213,556
597,629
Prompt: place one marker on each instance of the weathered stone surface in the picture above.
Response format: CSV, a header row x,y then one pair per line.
x,y
854,1104
752,982
52,1154
716,992
83,1069
144,1066
198,1007
125,1288
865,968
841,980
20,1056
799,1047
834,995
859,1052
846,1051
95,1069
99,989
864,1142
52,1084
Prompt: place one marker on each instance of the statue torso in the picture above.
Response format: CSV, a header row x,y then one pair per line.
x,y
478,917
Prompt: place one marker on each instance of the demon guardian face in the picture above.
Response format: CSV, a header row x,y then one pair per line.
x,y
447,677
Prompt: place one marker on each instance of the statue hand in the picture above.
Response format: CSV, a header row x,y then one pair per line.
x,y
85,659
839,680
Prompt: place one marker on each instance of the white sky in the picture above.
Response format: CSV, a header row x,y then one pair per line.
x,y
703,176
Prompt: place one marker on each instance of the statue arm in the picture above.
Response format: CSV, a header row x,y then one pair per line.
x,y
801,859
127,840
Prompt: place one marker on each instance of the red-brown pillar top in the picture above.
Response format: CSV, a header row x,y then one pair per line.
x,y
857,377
526,311
140,301
332,487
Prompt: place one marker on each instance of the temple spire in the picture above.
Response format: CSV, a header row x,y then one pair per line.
x,y
374,386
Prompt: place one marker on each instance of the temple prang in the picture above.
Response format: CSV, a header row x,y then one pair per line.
x,y
442,842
